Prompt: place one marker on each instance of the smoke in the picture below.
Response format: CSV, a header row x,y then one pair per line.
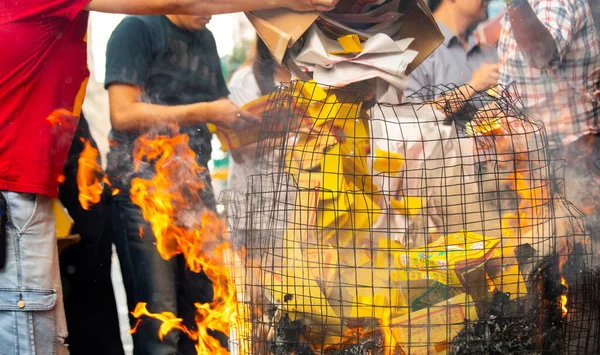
x,y
579,181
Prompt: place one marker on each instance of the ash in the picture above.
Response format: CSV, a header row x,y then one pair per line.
x,y
496,333
370,344
288,338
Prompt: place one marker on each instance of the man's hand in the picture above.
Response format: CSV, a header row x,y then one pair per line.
x,y
225,114
485,77
310,5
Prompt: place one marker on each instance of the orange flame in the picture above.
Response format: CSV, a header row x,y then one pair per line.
x,y
496,134
62,118
182,225
563,298
88,176
169,320
511,222
387,333
531,198
349,336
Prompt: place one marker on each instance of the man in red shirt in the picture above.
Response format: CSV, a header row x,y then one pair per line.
x,y
43,77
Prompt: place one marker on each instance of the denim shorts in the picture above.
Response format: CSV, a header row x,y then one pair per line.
x,y
32,319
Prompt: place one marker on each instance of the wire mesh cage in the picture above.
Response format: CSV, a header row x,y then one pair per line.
x,y
428,227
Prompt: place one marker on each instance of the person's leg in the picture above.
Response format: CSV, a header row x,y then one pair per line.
x,y
90,304
146,276
32,319
192,288
196,287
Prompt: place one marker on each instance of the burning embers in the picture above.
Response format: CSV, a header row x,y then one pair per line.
x,y
395,234
182,224
563,298
89,176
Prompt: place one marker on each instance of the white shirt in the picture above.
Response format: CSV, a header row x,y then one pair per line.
x,y
243,88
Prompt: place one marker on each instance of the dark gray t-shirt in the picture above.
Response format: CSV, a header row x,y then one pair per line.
x,y
173,67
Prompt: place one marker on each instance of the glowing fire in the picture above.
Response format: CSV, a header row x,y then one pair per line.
x,y
182,225
500,136
563,298
62,118
531,199
350,336
170,321
563,253
89,176
387,333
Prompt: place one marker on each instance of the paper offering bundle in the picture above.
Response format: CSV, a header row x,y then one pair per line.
x,y
390,228
382,215
356,42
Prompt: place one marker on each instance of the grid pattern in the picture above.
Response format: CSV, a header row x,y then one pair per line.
x,y
421,228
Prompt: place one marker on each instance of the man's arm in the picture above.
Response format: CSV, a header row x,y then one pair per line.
x,y
203,7
129,113
533,37
483,78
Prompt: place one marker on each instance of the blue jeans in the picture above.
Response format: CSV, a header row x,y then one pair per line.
x,y
166,285
32,317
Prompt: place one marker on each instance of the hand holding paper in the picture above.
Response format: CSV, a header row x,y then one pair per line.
x,y
235,132
228,116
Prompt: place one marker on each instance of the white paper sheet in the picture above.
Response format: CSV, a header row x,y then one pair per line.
x,y
317,47
381,57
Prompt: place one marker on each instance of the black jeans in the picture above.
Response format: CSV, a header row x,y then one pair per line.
x,y
165,285
90,306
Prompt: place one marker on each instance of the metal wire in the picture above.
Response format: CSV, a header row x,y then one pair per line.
x,y
435,226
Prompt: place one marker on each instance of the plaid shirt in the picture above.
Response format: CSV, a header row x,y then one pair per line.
x,y
561,95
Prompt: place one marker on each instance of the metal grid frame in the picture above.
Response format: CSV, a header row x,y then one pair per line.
x,y
370,228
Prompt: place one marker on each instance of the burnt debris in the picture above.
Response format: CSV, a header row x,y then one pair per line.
x,y
288,338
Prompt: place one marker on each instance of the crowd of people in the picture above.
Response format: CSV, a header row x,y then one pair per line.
x,y
163,71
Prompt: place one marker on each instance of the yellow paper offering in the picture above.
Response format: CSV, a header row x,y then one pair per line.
x,y
293,285
365,210
446,260
64,222
335,211
408,205
291,282
331,166
353,127
230,139
387,162
504,272
486,127
308,152
320,112
429,330
313,91
350,45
